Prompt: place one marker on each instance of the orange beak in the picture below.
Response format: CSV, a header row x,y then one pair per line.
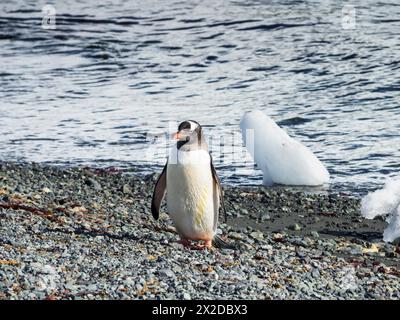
x,y
176,136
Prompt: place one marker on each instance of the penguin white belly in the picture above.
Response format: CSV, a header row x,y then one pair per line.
x,y
192,196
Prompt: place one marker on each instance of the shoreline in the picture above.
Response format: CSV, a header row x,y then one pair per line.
x,y
74,233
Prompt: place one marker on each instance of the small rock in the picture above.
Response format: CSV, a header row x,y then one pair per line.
x,y
390,254
126,189
315,273
139,287
265,216
314,233
94,184
295,227
356,250
257,235
91,287
186,296
129,281
236,235
166,273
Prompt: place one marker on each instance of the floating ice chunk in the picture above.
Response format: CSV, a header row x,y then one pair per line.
x,y
282,159
385,202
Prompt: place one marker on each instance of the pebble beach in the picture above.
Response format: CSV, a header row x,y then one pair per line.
x,y
85,233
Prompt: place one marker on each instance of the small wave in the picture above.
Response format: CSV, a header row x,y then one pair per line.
x,y
263,69
170,48
192,20
293,121
32,139
216,35
349,56
196,65
305,70
275,26
387,89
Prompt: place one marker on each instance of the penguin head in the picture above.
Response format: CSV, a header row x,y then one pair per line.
x,y
190,136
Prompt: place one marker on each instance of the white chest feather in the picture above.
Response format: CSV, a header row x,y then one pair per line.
x,y
192,196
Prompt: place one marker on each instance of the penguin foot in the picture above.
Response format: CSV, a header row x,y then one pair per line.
x,y
208,244
198,246
202,246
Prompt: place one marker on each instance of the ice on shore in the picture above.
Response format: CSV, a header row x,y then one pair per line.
x,y
282,159
385,202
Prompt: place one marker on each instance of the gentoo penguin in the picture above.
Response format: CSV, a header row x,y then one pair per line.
x,y
192,185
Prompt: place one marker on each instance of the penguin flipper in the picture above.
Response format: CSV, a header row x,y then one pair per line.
x,y
159,192
220,191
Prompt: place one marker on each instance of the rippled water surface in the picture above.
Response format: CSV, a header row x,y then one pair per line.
x,y
104,87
